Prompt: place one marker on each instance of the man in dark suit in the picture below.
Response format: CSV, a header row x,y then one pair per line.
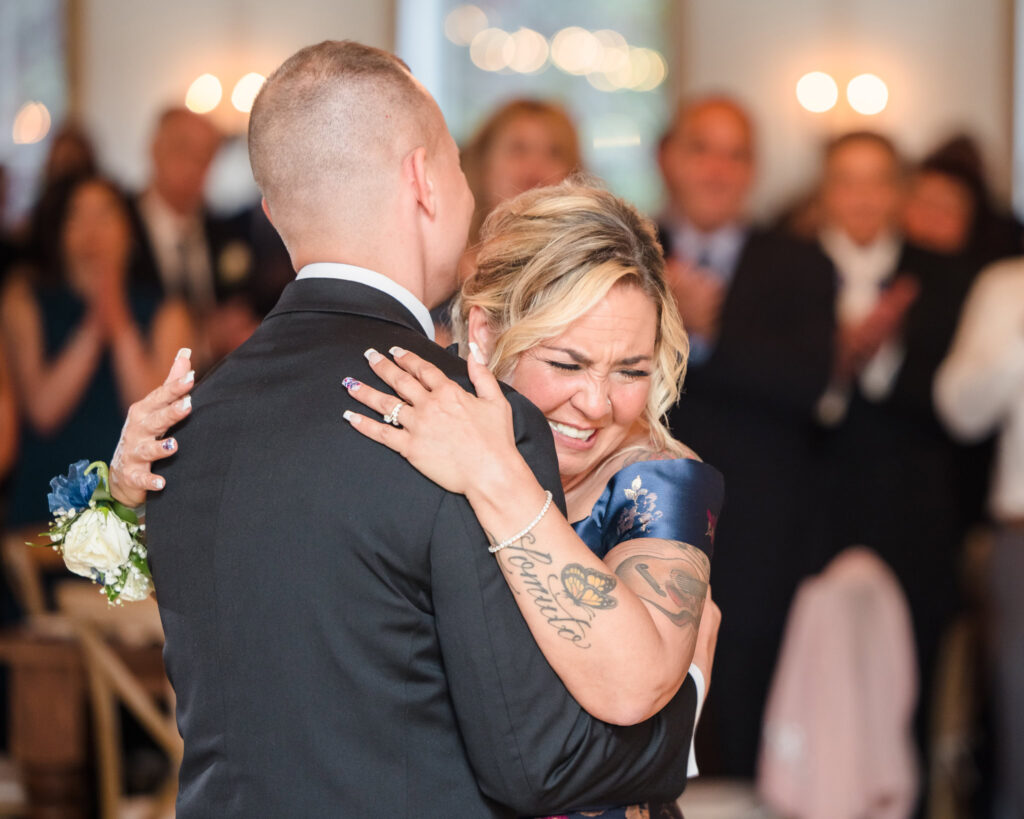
x,y
896,476
184,250
758,308
339,638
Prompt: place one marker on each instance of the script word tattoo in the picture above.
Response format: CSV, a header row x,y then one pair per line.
x,y
567,600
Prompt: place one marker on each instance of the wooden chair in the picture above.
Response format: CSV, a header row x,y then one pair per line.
x,y
24,566
112,682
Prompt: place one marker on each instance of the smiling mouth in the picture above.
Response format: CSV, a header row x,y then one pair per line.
x,y
572,432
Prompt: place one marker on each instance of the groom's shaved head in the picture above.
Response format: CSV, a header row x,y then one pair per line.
x,y
329,129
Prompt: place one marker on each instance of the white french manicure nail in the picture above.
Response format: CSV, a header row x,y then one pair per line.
x,y
188,377
350,416
158,483
474,350
186,402
184,352
397,352
372,355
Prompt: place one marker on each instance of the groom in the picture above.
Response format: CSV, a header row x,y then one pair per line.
x,y
340,641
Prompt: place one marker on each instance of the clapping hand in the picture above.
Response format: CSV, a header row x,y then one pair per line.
x,y
141,444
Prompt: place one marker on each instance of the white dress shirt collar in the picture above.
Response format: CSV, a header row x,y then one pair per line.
x,y
378,281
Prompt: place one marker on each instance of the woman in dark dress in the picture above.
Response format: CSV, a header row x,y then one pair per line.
x,y
81,344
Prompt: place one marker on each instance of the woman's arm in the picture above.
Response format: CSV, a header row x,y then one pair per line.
x,y
138,361
49,390
8,416
620,634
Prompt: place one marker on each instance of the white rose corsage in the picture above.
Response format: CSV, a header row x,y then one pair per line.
x,y
98,537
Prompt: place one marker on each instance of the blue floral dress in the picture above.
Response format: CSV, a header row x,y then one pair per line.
x,y
670,500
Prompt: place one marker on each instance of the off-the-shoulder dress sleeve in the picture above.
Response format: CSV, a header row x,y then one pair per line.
x,y
677,499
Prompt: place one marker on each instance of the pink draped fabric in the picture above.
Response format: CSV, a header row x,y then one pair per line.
x,y
837,740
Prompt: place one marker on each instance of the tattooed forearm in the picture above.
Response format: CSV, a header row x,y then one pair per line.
x,y
568,600
676,586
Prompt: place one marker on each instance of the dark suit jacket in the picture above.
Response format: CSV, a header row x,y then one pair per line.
x,y
229,250
748,410
340,640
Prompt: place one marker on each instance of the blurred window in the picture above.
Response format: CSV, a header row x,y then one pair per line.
x,y
33,92
606,61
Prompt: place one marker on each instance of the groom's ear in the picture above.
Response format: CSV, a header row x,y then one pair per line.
x,y
415,173
266,210
479,331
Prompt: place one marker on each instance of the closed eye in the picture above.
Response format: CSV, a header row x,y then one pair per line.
x,y
561,365
634,374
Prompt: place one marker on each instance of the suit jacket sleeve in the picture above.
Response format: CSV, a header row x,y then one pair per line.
x,y
531,746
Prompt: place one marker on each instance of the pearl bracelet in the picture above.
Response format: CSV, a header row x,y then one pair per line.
x,y
520,535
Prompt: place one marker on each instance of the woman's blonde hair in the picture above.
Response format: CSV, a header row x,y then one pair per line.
x,y
550,255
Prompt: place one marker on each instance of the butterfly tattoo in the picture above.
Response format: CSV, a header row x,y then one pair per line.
x,y
587,587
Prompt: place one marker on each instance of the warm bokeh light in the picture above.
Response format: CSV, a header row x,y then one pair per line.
x,y
246,90
31,124
817,92
576,51
867,94
492,49
463,24
531,51
204,94
615,51
648,67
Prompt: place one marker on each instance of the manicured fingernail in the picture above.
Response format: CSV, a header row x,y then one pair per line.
x,y
372,356
351,417
474,350
397,352
169,444
350,384
158,483
184,352
188,377
186,402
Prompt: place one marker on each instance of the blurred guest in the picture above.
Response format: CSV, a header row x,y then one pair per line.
x,y
71,155
950,208
181,247
8,251
758,308
8,426
979,389
524,144
893,483
83,342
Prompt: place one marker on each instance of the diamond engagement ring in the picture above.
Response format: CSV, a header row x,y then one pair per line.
x,y
392,417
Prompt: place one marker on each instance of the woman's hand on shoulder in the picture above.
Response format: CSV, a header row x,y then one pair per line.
x,y
459,440
141,440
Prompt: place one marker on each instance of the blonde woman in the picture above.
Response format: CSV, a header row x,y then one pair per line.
x,y
570,307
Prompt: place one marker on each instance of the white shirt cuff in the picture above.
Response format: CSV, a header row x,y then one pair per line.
x,y
698,679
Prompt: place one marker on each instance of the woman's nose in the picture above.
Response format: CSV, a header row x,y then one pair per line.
x,y
592,398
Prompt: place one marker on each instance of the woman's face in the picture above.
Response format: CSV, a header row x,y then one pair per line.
x,y
525,154
96,231
938,213
592,381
